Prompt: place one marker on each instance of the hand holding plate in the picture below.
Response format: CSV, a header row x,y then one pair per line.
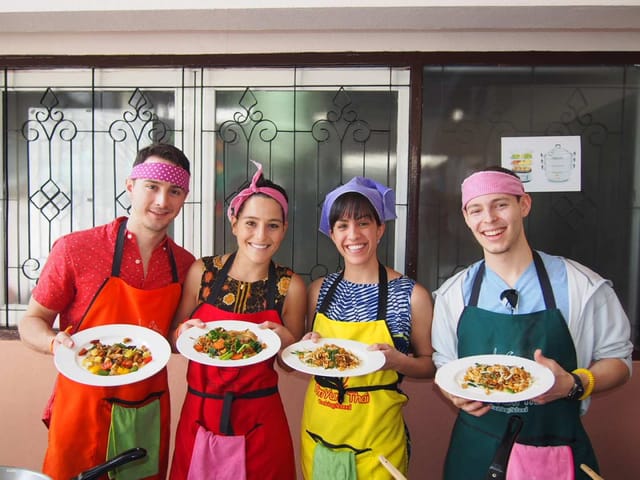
x,y
313,336
286,337
563,380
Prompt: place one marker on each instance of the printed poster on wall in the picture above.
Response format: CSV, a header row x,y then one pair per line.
x,y
544,164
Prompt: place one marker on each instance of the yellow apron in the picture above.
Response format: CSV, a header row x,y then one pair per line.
x,y
358,415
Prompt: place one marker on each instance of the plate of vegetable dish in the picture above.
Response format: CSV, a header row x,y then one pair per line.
x,y
112,355
228,343
333,357
494,378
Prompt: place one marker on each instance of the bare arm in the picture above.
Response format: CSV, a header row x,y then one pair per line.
x,y
313,291
294,309
188,302
36,329
293,316
420,363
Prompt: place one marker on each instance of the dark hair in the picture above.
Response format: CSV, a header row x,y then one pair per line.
x,y
166,152
263,182
352,205
498,168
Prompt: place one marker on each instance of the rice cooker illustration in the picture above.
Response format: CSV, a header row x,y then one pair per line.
x,y
558,163
521,165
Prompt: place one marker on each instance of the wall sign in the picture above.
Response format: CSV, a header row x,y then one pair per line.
x,y
544,164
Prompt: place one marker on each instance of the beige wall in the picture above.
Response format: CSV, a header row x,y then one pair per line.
x,y
26,378
146,27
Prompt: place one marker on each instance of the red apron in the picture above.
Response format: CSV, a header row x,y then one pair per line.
x,y
81,415
238,404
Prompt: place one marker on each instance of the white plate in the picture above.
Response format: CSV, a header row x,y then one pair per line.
x,y
370,360
187,338
450,378
69,363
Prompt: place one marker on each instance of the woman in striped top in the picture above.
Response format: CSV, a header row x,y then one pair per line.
x,y
348,422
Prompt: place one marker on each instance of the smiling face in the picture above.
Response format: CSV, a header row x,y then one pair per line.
x,y
496,221
357,239
259,228
154,203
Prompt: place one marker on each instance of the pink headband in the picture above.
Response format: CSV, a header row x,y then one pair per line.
x,y
252,189
165,172
487,182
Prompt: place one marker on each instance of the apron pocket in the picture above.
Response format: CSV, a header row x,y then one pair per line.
x,y
528,462
333,464
131,428
217,456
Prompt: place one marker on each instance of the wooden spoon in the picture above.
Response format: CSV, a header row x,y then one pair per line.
x,y
590,472
395,473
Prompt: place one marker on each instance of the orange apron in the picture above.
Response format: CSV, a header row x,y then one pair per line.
x,y
81,415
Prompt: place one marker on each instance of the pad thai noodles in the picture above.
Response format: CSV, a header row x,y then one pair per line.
x,y
500,378
329,356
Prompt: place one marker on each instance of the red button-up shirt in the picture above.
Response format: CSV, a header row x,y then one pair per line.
x,y
80,262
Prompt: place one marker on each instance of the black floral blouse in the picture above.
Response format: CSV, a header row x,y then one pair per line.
x,y
242,297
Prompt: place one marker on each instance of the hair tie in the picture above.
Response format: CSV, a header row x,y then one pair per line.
x,y
252,189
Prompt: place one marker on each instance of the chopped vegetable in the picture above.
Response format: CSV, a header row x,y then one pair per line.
x,y
229,344
116,359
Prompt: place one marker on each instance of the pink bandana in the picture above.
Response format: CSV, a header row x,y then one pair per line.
x,y
165,172
252,189
488,182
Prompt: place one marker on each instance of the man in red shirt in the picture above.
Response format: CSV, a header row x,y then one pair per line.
x,y
126,272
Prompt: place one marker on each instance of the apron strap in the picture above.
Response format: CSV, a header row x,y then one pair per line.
x,y
117,255
382,293
475,289
132,403
545,283
222,274
337,383
227,400
543,278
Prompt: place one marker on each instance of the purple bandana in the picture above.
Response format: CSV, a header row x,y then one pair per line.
x,y
252,189
382,198
164,172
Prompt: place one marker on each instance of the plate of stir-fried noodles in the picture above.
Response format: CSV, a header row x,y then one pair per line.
x,y
494,378
228,343
333,357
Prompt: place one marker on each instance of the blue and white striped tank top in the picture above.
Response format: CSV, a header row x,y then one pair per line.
x,y
358,302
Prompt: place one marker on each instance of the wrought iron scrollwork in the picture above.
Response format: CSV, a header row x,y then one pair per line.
x,y
248,124
138,122
342,121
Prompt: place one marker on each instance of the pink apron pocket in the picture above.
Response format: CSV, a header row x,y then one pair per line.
x,y
217,456
528,462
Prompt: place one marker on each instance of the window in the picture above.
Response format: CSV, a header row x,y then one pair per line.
x,y
72,135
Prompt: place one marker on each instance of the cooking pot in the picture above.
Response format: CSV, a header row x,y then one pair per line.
x,y
15,473
558,163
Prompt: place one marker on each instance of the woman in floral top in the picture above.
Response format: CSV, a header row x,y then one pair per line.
x,y
233,423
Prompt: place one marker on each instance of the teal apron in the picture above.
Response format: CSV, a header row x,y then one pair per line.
x,y
475,440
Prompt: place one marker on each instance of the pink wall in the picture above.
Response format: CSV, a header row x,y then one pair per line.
x,y
27,377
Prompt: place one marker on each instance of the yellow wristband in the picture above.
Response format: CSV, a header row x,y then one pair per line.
x,y
588,388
